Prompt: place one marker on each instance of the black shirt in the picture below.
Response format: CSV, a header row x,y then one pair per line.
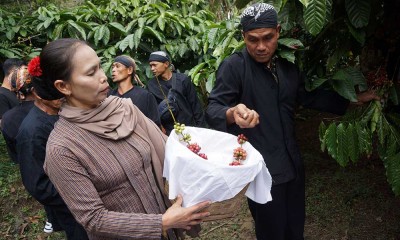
x,y
31,148
144,100
187,104
240,79
10,124
8,100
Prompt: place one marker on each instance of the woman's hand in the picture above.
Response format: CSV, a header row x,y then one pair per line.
x,y
179,217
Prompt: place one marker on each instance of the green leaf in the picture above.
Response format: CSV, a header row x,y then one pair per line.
x,y
358,12
57,32
392,165
141,22
10,34
304,2
137,37
183,48
344,85
190,23
288,55
335,58
106,37
331,140
382,129
210,82
393,95
194,46
376,115
353,149
212,36
151,31
342,155
7,53
127,41
392,144
196,69
314,16
357,77
196,79
106,66
100,32
314,82
364,138
291,43
78,28
118,27
276,3
47,23
394,119
358,34
161,22
322,130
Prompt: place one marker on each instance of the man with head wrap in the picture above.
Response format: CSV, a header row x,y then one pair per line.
x,y
21,83
31,143
175,93
123,73
8,99
256,94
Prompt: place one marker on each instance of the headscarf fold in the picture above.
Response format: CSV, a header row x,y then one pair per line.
x,y
114,118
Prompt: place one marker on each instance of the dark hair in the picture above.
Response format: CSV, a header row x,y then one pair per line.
x,y
10,64
56,64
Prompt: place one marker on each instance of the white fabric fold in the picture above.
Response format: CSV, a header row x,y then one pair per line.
x,y
197,179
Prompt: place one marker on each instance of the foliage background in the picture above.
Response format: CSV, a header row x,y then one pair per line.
x,y
337,44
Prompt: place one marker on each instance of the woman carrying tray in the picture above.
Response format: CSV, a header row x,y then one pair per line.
x,y
104,156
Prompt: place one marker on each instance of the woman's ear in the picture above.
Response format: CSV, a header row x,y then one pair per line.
x,y
63,87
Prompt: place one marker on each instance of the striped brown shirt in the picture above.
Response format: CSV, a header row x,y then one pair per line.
x,y
108,185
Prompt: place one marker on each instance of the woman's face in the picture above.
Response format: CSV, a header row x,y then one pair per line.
x,y
88,85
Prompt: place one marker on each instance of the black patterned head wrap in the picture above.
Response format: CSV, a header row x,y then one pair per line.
x,y
259,15
159,56
126,61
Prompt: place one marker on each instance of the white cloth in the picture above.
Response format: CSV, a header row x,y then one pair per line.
x,y
197,179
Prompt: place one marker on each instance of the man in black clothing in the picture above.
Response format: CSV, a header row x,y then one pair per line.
x,y
31,151
123,72
12,119
175,94
256,94
8,99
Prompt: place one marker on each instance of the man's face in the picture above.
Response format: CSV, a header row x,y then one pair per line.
x,y
261,43
158,68
120,72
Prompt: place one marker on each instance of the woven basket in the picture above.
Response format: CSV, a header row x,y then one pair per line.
x,y
225,209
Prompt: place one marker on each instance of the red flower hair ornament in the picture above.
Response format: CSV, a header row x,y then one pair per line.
x,y
34,67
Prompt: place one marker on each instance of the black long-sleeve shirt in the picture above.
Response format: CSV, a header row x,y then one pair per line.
x,y
31,148
10,124
240,79
144,100
190,109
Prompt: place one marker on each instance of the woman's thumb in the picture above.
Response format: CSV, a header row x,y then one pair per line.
x,y
178,200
